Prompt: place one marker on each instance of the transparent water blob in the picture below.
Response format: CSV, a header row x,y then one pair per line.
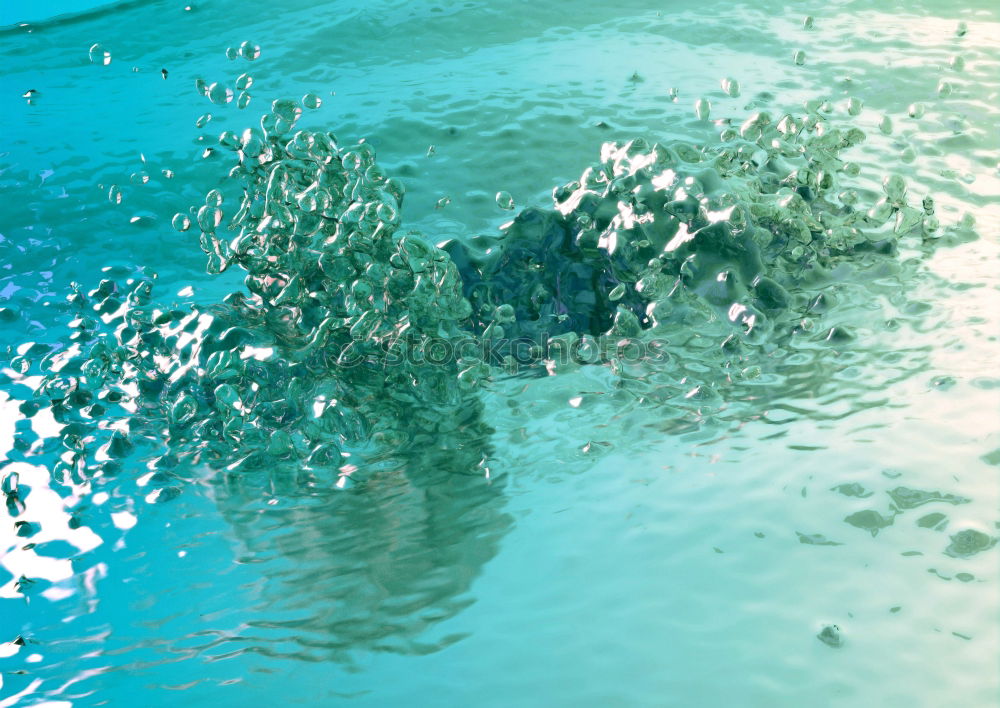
x,y
894,187
505,200
854,106
203,120
285,109
230,140
808,22
885,125
702,108
311,100
249,50
243,100
115,194
944,89
99,55
244,81
798,57
213,198
219,94
181,222
209,218
916,110
232,53
957,63
731,86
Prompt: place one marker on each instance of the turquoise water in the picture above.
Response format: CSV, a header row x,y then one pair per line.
x,y
684,528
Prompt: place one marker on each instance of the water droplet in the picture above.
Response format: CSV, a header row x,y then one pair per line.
x,y
244,82
799,57
230,140
213,198
854,106
944,89
209,218
311,100
808,22
115,194
702,108
99,55
731,86
244,100
181,222
916,110
232,53
885,125
219,94
286,110
203,120
957,63
894,187
249,50
505,200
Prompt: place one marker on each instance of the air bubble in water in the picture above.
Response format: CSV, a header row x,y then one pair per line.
x,y
213,198
808,22
962,29
885,125
702,108
181,222
169,174
505,200
854,106
244,100
944,89
311,100
219,94
916,110
672,94
731,86
442,202
244,82
799,57
99,55
249,50
203,120
957,63
115,194
201,86
232,53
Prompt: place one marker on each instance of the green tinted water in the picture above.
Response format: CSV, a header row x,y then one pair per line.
x,y
804,516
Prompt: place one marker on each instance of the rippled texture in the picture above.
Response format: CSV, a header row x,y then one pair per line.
x,y
203,497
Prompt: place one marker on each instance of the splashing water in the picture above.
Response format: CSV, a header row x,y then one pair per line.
x,y
376,413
